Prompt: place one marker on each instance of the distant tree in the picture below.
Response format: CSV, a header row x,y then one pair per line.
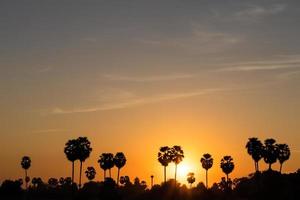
x,y
106,162
255,149
164,158
207,163
71,152
270,152
26,163
125,180
83,151
177,156
36,181
90,173
53,182
191,178
152,180
119,162
227,165
283,154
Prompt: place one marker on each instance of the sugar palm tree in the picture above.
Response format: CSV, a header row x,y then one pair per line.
x,y
207,163
164,158
106,162
83,151
270,152
90,173
119,161
255,149
284,154
227,165
71,152
191,178
177,156
26,163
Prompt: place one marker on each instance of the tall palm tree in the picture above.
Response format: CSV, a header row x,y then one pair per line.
x,y
284,154
255,149
191,178
26,163
164,158
207,163
90,173
119,161
270,152
106,162
83,151
71,152
227,165
177,156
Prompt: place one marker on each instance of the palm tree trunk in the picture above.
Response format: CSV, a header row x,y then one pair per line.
x,y
80,174
175,173
73,172
270,168
165,174
206,180
118,176
26,184
104,175
255,165
227,178
151,182
280,168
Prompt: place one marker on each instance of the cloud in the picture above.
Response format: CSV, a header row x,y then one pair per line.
x,y
138,101
279,63
168,77
49,131
200,39
255,11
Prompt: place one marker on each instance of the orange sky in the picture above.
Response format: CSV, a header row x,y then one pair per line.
x,y
206,75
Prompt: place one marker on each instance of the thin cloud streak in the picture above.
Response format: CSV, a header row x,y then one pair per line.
x,y
170,77
286,62
138,101
49,131
257,11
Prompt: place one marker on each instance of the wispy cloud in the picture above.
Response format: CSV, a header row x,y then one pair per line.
x,y
167,77
49,131
199,39
279,63
138,101
256,11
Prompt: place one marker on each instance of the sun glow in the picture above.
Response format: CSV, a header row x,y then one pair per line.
x,y
183,170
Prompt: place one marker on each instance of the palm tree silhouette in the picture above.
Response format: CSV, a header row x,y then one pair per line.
x,y
270,152
26,163
71,153
152,180
207,163
283,154
255,149
164,157
191,178
90,173
106,162
119,162
177,156
227,165
83,152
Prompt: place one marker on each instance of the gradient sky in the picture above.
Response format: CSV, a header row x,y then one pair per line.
x,y
136,75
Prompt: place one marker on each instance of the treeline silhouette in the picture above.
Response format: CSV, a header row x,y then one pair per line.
x,y
268,184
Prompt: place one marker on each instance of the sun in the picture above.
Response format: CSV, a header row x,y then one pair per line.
x,y
183,170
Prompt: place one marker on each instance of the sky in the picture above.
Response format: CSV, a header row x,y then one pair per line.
x,y
136,75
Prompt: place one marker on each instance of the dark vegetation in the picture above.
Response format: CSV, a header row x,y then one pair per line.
x,y
268,184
